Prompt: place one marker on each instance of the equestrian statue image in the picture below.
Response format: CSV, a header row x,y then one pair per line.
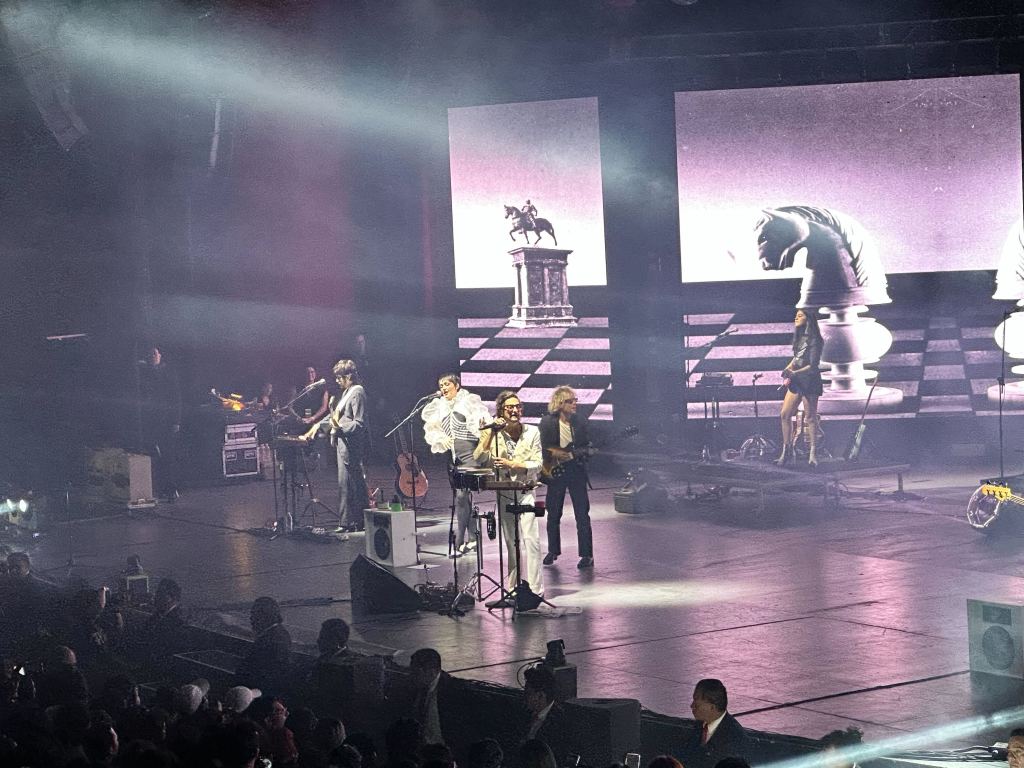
x,y
525,220
844,276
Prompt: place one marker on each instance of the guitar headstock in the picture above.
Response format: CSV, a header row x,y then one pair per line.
x,y
999,492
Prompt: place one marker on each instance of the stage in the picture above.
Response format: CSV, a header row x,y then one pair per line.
x,y
816,614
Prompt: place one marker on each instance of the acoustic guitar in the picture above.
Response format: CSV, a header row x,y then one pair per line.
x,y
409,470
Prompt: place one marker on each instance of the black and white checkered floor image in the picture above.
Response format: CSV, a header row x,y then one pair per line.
x,y
533,361
942,364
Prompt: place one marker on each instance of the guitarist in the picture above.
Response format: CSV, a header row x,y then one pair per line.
x,y
562,432
451,424
346,421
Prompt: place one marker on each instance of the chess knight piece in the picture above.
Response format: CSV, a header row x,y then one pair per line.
x,y
542,292
1010,287
844,276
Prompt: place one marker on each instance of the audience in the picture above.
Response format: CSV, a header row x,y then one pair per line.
x,y
547,720
268,663
718,734
48,718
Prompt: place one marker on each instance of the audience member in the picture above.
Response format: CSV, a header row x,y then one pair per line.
x,y
839,740
100,744
718,734
486,753
436,696
276,740
664,761
60,681
534,753
403,740
237,699
1015,748
163,633
330,682
547,718
269,660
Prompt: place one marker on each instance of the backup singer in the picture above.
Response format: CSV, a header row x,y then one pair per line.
x,y
513,449
346,421
560,430
451,424
802,379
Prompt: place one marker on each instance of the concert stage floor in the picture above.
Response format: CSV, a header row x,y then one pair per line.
x,y
816,617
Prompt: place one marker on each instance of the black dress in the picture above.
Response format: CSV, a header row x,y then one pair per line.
x,y
806,350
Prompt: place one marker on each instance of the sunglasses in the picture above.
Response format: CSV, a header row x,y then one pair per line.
x,y
512,407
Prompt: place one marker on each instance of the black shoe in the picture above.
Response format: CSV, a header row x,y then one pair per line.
x,y
585,562
503,603
550,558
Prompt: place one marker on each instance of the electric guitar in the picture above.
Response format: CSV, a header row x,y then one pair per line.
x,y
554,468
411,481
858,435
1001,493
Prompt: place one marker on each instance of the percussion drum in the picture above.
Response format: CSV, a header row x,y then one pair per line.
x,y
471,478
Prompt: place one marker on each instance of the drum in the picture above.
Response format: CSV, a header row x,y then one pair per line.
x,y
470,478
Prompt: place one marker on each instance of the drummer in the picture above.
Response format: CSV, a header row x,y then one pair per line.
x,y
451,424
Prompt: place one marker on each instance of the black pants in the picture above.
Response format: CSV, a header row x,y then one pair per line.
x,y
573,480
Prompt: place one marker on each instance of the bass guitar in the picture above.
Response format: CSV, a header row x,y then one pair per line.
x,y
554,468
411,481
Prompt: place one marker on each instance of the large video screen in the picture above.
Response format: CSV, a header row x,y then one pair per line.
x,y
547,152
929,170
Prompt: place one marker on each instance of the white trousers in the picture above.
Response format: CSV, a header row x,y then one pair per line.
x,y
529,544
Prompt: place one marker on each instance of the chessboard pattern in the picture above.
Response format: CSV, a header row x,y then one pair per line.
x,y
533,361
944,365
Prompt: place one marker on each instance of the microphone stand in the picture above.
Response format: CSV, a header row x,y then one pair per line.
x,y
412,449
1002,393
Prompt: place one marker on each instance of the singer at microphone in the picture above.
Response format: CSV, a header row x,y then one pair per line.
x,y
451,425
311,406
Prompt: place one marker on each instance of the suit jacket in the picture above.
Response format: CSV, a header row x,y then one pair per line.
x,y
349,410
549,437
556,731
728,740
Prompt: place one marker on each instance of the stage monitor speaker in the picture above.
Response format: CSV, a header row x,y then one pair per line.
x,y
391,537
603,730
375,590
995,634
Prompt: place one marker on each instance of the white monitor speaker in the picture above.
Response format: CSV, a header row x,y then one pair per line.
x,y
391,537
996,638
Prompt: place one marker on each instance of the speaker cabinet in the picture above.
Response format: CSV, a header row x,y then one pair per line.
x,y
603,730
996,638
390,537
375,590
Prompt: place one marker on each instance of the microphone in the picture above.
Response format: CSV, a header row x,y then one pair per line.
x,y
494,425
310,387
435,393
758,376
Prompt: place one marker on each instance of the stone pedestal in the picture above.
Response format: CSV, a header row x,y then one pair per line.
x,y
542,293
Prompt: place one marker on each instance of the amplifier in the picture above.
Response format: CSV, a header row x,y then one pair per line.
x,y
241,460
239,433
